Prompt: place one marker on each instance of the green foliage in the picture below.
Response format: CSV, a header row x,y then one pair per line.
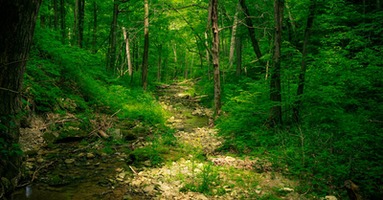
x,y
73,80
9,150
204,182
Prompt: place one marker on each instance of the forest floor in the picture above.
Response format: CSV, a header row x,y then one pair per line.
x,y
195,169
192,167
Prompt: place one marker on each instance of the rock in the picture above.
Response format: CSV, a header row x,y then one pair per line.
x,y
149,189
286,189
121,175
147,163
116,133
69,161
90,155
330,198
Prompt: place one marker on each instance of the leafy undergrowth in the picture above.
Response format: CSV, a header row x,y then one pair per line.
x,y
64,79
335,142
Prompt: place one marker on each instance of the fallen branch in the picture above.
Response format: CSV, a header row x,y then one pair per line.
x,y
134,171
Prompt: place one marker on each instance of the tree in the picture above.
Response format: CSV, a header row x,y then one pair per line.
x,y
17,23
80,22
254,41
145,58
111,56
215,55
301,80
62,21
127,50
275,81
94,36
233,37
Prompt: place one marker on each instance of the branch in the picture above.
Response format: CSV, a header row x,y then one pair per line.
x,y
9,90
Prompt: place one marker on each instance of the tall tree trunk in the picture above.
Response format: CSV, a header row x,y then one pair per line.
x,y
175,60
238,49
55,14
111,56
292,26
233,38
254,41
208,53
145,61
80,22
75,23
301,80
94,37
127,49
159,63
215,55
62,21
17,23
275,81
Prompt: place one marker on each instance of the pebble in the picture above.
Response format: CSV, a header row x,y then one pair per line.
x,y
69,161
90,155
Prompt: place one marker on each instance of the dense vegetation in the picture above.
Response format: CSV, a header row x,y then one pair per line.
x,y
325,127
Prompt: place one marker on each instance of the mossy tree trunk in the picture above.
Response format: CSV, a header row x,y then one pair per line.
x,y
17,23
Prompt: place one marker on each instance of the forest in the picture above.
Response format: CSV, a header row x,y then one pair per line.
x,y
191,99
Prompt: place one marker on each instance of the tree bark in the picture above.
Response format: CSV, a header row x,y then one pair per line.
x,y
238,50
62,21
215,55
301,80
80,9
233,38
111,56
159,63
254,41
94,38
17,23
145,59
275,81
55,14
127,49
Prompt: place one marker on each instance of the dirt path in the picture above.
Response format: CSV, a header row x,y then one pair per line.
x,y
199,171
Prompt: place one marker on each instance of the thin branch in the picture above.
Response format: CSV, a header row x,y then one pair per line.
x,y
9,90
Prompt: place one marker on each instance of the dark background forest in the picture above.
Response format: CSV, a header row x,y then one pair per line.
x,y
298,82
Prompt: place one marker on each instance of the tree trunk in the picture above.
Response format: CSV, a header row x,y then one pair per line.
x,y
291,25
17,23
62,21
175,60
75,23
238,50
233,38
55,14
275,81
159,63
254,41
301,80
127,49
94,38
215,55
111,56
80,9
145,61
